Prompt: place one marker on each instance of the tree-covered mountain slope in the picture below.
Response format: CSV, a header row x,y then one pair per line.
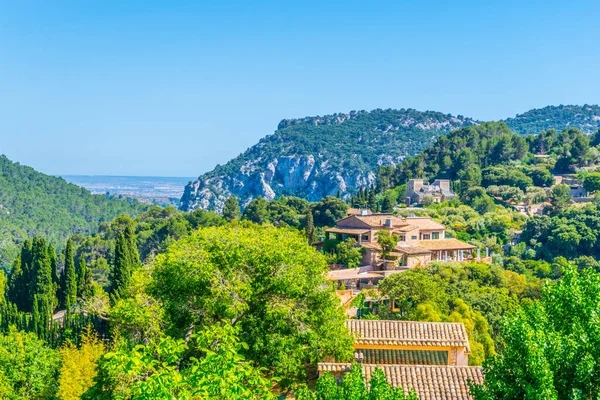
x,y
317,156
32,203
585,118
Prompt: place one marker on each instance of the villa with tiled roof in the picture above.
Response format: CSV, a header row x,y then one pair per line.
x,y
430,382
428,357
409,342
421,240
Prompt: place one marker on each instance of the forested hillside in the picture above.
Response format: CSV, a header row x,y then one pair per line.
x,y
318,156
585,118
32,203
314,157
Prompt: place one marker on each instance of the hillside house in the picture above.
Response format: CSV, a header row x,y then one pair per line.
x,y
430,357
430,382
421,240
409,342
438,191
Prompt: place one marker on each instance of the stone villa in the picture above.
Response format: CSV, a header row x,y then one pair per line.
x,y
438,191
421,240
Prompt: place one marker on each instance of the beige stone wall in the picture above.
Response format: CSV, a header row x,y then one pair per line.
x,y
419,260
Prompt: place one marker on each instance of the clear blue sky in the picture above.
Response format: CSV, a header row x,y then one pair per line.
x,y
172,88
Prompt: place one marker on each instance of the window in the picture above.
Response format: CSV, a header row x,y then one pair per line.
x,y
426,236
403,238
413,237
435,235
364,238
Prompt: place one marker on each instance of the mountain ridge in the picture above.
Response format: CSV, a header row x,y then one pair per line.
x,y
316,156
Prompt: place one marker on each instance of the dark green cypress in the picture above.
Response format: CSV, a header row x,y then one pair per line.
x,y
84,286
69,278
372,204
52,256
134,255
121,273
26,286
44,291
311,232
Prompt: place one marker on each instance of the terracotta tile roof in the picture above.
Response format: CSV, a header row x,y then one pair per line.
x,y
424,223
430,382
412,249
408,333
404,249
378,220
445,244
348,231
405,357
351,273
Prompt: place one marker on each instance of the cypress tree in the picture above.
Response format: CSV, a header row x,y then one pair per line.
x,y
121,273
132,251
52,256
338,194
26,284
69,278
372,204
15,283
388,205
44,291
231,209
84,286
311,232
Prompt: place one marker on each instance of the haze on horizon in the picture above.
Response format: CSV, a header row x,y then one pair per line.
x,y
150,88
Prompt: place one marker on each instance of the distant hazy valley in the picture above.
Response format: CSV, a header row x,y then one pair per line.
x,y
158,190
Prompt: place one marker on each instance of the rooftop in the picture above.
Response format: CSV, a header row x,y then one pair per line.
x,y
445,244
430,382
424,223
408,333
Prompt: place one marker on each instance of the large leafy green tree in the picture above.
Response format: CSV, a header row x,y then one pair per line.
x,y
348,253
327,211
156,371
552,348
28,367
265,280
256,211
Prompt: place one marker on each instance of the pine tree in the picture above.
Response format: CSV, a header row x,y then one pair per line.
x,y
231,209
69,278
311,232
121,273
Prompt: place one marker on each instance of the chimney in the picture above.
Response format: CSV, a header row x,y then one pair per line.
x,y
364,212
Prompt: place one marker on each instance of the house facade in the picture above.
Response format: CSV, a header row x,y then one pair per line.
x,y
438,191
431,358
421,240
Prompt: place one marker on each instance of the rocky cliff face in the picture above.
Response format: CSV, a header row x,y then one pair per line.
x,y
319,156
